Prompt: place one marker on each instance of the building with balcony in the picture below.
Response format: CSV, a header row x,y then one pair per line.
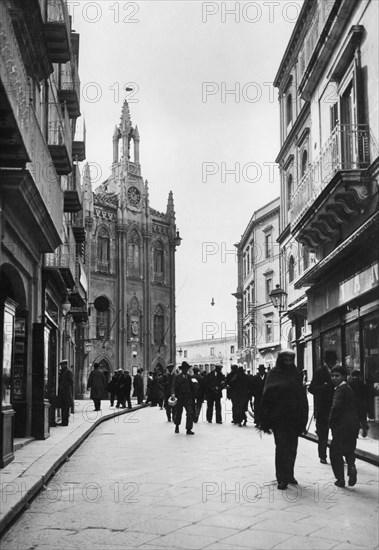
x,y
131,265
328,91
258,324
40,201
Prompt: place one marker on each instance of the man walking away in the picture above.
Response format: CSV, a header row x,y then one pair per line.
x,y
258,383
344,423
96,383
322,389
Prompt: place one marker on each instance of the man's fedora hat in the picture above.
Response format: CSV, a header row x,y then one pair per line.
x,y
185,365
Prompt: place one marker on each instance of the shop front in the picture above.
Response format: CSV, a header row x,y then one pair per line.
x,y
344,314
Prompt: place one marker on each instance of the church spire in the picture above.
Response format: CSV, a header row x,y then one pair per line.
x,y
125,130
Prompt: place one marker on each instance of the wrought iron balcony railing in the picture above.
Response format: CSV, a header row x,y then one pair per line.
x,y
348,148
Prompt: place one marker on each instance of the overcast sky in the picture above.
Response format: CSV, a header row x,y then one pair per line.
x,y
204,104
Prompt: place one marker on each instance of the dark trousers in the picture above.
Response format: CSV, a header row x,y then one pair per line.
x,y
139,399
112,397
187,404
97,404
342,447
257,409
216,402
65,415
286,439
322,431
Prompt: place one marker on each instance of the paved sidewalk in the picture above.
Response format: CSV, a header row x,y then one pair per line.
x,y
36,460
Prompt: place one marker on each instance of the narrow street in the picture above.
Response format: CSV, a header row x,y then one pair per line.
x,y
135,484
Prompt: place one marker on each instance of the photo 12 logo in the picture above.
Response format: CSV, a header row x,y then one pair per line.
x,y
250,12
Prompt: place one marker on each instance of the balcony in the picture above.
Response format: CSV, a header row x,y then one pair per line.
x,y
63,262
78,227
69,87
72,191
59,138
78,295
79,143
335,186
58,31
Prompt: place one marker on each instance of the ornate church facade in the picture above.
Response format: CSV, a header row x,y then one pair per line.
x,y
131,265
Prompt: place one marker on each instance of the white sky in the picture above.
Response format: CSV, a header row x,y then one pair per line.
x,y
172,51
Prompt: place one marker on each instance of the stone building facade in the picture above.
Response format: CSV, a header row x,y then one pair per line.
x,y
258,273
42,231
328,83
131,265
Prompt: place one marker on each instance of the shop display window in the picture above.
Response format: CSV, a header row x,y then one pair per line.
x,y
352,359
331,340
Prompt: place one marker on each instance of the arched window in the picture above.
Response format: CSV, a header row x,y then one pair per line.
x,y
101,305
133,261
289,191
103,241
158,261
304,162
159,326
289,109
291,269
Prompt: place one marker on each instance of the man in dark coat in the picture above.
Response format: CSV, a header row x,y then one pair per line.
x,y
229,389
128,389
112,388
65,391
215,385
284,410
258,382
96,383
138,386
241,394
322,389
166,382
344,424
184,389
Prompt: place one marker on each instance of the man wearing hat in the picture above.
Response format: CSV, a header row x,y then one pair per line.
x,y
138,386
258,382
284,410
65,391
215,385
184,389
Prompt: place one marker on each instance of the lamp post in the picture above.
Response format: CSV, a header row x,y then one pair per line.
x,y
279,301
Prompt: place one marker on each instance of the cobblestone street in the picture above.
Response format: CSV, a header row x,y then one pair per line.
x,y
135,484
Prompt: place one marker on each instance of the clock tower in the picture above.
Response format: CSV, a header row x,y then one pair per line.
x,y
132,258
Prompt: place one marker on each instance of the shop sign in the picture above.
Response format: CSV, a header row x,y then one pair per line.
x,y
334,294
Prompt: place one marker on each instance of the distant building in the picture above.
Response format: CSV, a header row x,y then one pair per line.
x,y
258,273
208,353
328,83
131,265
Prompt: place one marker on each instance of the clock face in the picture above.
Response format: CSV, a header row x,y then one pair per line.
x,y
134,196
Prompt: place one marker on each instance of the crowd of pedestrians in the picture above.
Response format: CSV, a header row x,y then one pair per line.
x,y
275,398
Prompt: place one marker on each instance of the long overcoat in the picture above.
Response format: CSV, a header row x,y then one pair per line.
x,y
96,383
